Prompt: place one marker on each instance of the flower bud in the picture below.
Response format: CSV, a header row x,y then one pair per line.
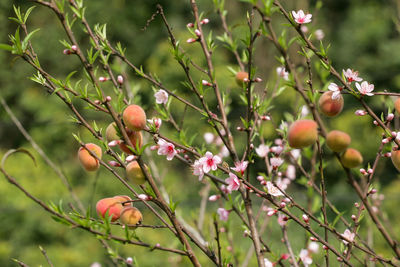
x,y
390,117
214,197
204,21
120,79
190,25
197,32
191,40
74,48
305,218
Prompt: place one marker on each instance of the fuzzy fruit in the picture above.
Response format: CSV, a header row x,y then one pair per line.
x,y
122,199
134,173
397,105
135,137
130,216
240,76
338,141
396,158
351,158
302,133
87,161
134,117
328,106
111,132
112,205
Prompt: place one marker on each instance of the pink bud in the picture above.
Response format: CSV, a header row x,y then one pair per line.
x,y
102,79
258,80
214,197
204,21
144,197
356,205
74,48
339,259
375,123
325,247
114,143
363,171
120,79
251,146
394,134
305,218
206,83
263,182
390,117
191,40
287,200
385,140
114,163
239,128
158,245
190,25
373,191
97,102
265,118
260,178
152,148
387,155
222,229
129,260
108,98
271,212
313,238
285,256
370,171
354,217
66,52
197,32
360,112
282,205
246,80
130,158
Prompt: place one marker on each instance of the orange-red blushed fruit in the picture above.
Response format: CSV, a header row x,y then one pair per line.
x,y
396,159
240,76
135,137
112,205
122,199
134,173
130,216
87,161
338,141
302,133
328,106
134,117
397,105
351,158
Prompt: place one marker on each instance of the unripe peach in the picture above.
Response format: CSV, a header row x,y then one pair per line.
x,y
351,158
130,216
122,199
302,133
87,161
240,77
112,205
135,137
396,159
111,132
397,105
328,106
134,173
338,141
134,117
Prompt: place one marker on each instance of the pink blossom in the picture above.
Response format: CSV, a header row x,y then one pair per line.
x,y
198,169
351,75
360,112
291,172
262,151
223,214
282,220
273,190
161,97
349,236
365,88
156,122
240,167
281,71
305,257
167,149
144,197
277,150
233,182
267,263
300,17
335,89
224,152
313,247
225,189
209,137
319,34
204,21
210,162
276,162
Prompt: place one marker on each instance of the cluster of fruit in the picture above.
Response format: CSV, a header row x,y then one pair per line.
x,y
119,207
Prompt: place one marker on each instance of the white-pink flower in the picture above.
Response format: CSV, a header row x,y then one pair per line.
x,y
305,257
262,150
335,89
313,247
198,169
291,172
267,263
223,214
209,137
365,88
233,182
281,71
300,17
240,166
282,219
273,190
210,162
319,34
167,149
156,122
276,162
348,235
214,198
161,97
351,75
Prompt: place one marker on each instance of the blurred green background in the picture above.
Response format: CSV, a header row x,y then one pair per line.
x,y
364,35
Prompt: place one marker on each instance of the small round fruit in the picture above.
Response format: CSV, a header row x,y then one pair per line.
x,y
111,132
328,106
87,161
240,77
134,117
123,200
130,216
112,205
338,141
302,133
396,159
351,158
397,105
135,137
135,174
